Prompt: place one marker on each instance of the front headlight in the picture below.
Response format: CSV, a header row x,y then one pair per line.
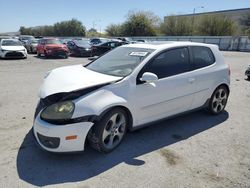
x,y
58,111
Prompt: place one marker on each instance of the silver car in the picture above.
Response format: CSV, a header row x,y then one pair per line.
x,y
31,45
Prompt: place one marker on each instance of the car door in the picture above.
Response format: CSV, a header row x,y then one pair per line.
x,y
205,73
40,47
172,93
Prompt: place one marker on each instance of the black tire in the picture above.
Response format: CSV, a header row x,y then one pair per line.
x,y
218,100
65,56
248,77
45,55
106,126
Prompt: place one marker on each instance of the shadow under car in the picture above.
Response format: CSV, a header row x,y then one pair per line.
x,y
41,168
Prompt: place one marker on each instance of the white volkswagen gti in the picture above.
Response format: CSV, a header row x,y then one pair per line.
x,y
12,48
125,89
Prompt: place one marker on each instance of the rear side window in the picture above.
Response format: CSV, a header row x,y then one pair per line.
x,y
202,56
169,63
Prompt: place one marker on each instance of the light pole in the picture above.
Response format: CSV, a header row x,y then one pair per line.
x,y
94,24
194,14
196,9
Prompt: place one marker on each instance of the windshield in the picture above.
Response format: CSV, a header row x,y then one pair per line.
x,y
27,38
82,43
34,41
11,43
120,61
53,41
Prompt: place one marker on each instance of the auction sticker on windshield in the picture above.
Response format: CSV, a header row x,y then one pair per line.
x,y
142,54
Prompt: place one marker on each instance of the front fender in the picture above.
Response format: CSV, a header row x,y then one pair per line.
x,y
97,102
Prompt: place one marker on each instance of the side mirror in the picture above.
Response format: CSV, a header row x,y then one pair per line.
x,y
149,77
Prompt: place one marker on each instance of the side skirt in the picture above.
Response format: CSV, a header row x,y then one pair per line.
x,y
170,117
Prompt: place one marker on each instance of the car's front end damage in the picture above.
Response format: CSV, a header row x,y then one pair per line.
x,y
60,125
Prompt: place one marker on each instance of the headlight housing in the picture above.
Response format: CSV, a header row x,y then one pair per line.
x,y
59,111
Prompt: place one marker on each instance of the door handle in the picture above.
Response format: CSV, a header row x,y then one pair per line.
x,y
191,80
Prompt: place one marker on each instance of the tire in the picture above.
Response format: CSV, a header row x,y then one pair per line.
x,y
65,56
45,55
248,77
38,54
218,100
108,133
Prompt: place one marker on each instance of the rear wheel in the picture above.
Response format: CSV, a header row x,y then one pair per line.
x,y
108,133
218,100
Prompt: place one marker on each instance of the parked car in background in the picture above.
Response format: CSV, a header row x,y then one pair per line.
x,y
52,47
141,40
80,48
247,73
64,41
31,45
125,89
25,38
5,37
12,48
102,48
95,41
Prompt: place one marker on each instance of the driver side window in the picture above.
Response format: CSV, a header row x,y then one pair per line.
x,y
169,63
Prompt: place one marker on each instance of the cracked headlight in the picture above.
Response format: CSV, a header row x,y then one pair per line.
x,y
59,111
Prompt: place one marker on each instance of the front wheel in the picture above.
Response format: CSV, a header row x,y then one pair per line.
x,y
108,133
218,100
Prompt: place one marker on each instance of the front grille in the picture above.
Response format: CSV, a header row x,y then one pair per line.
x,y
49,142
14,54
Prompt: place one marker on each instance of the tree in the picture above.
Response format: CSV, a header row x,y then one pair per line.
x,y
140,23
214,25
245,24
69,28
114,30
177,26
65,28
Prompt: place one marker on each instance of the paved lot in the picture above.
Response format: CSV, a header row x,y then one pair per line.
x,y
194,150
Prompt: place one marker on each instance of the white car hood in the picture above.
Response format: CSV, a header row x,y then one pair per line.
x,y
71,78
12,48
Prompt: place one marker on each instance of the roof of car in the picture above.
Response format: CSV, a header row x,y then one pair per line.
x,y
165,44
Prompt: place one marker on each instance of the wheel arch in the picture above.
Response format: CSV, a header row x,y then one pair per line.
x,y
223,84
128,113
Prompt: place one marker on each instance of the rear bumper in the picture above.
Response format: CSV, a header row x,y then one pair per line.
x,y
82,52
55,138
56,53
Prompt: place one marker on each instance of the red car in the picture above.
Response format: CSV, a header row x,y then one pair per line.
x,y
52,47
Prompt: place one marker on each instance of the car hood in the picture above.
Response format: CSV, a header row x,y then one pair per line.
x,y
72,78
12,48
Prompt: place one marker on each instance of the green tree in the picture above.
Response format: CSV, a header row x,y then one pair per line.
x,y
69,28
114,30
245,24
177,26
140,23
65,28
214,25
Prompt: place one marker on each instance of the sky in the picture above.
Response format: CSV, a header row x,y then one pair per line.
x,y
98,13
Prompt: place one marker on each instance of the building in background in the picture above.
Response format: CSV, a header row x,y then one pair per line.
x,y
234,14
